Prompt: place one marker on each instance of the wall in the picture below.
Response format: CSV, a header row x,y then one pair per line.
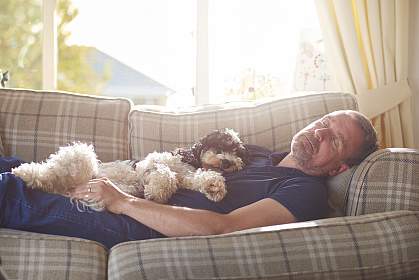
x,y
414,64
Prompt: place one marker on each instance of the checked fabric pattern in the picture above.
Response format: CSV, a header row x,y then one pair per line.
x,y
378,239
338,248
40,256
1,149
33,124
268,124
387,180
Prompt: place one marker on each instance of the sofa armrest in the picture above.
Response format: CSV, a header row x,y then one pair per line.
x,y
387,180
376,246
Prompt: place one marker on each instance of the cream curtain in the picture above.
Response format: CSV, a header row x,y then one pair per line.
x,y
367,44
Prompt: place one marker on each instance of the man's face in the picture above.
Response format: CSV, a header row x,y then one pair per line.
x,y
322,147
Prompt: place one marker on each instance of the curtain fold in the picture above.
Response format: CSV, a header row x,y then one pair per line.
x,y
367,43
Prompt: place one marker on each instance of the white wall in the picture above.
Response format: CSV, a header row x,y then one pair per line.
x,y
414,64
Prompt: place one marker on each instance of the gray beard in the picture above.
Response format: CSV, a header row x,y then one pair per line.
x,y
299,154
301,157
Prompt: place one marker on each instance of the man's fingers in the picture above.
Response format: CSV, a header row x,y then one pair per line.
x,y
79,194
101,182
85,195
102,179
94,186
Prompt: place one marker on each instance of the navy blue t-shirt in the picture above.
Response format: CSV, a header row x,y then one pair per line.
x,y
303,195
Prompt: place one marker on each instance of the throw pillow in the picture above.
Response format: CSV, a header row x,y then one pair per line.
x,y
337,189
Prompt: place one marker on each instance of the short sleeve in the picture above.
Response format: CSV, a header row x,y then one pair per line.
x,y
305,198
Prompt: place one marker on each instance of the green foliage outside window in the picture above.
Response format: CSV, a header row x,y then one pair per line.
x,y
21,48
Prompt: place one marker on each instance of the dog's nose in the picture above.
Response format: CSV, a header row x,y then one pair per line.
x,y
225,163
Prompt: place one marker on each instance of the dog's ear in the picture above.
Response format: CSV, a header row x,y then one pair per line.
x,y
211,139
189,155
196,151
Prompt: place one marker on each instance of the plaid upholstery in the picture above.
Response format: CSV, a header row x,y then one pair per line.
x,y
270,124
33,124
1,149
337,248
39,256
373,246
387,180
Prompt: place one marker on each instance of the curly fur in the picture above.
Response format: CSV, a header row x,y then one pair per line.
x,y
156,178
70,166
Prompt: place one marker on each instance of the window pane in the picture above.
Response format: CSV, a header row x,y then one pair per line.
x,y
20,42
255,47
143,50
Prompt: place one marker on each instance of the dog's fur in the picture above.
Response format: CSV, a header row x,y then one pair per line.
x,y
156,178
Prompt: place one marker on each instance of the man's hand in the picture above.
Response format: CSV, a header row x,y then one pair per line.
x,y
102,190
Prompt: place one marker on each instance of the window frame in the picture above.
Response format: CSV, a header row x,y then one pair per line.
x,y
49,45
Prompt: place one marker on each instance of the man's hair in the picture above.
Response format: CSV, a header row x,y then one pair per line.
x,y
370,143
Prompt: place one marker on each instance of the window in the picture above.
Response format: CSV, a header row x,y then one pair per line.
x,y
167,52
139,49
265,48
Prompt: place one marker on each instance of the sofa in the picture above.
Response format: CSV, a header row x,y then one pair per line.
x,y
372,231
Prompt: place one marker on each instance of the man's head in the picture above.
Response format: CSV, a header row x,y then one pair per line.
x,y
333,143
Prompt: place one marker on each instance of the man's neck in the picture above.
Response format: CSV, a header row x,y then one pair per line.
x,y
290,162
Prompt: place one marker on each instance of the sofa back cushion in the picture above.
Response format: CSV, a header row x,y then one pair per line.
x,y
269,124
1,149
33,124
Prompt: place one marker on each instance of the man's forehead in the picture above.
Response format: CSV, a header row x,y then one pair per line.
x,y
337,114
343,120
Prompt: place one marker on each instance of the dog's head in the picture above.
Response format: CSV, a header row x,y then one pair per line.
x,y
221,150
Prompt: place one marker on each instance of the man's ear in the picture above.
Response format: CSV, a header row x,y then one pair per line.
x,y
341,168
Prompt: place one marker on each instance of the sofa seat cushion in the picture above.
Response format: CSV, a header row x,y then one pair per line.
x,y
375,246
33,124
25,255
270,124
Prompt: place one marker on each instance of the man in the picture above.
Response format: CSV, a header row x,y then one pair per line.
x,y
273,189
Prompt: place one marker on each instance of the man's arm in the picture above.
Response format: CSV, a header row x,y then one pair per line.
x,y
180,221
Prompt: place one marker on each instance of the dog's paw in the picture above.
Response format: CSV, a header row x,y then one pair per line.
x,y
214,187
160,184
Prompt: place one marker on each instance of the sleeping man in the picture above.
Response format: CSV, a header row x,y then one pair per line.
x,y
274,188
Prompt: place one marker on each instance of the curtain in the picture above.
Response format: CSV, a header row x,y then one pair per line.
x,y
366,42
